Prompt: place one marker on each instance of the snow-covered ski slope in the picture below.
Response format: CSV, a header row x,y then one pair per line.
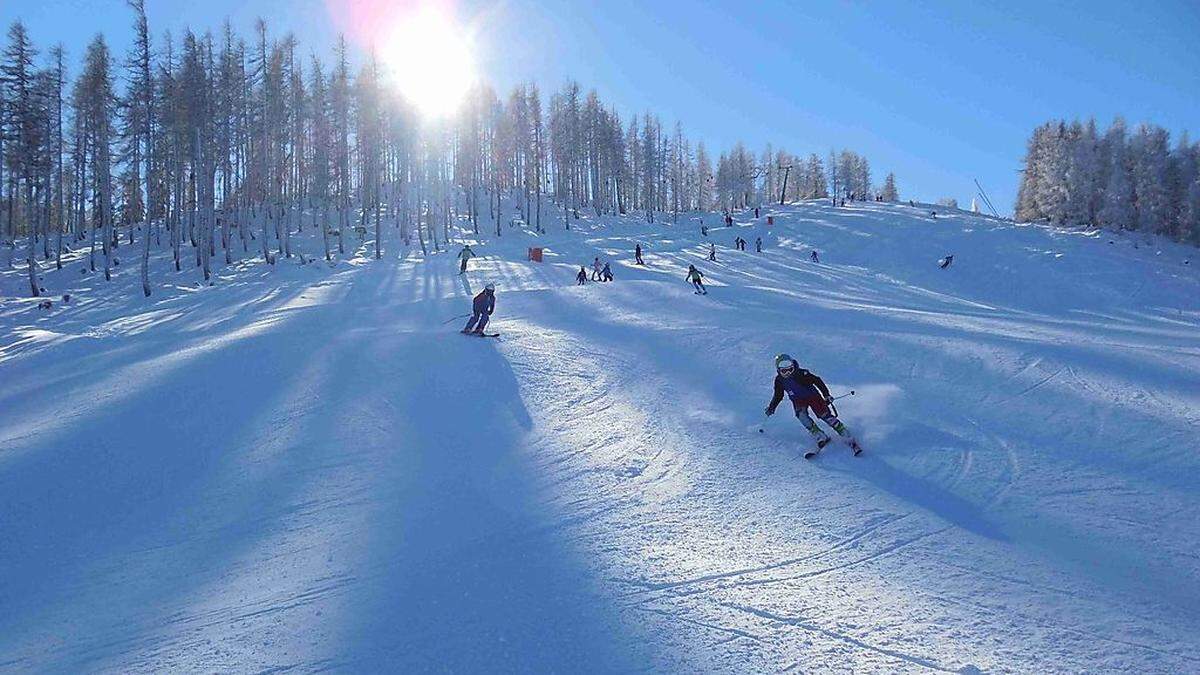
x,y
302,467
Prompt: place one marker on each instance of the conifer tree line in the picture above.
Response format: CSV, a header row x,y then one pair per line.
x,y
218,147
1075,176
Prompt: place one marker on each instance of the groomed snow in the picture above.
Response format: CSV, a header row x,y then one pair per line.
x,y
303,467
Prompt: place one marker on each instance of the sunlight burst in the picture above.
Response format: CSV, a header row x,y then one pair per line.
x,y
429,57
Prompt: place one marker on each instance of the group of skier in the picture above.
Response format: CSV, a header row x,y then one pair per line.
x,y
600,272
806,391
741,244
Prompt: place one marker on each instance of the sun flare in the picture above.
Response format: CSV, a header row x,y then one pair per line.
x,y
429,57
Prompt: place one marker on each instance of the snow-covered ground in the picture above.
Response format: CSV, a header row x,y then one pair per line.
x,y
303,467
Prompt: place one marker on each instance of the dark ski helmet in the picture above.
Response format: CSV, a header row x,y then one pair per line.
x,y
785,365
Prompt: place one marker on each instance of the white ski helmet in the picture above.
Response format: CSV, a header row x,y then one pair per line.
x,y
785,364
490,287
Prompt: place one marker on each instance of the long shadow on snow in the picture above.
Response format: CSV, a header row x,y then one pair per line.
x,y
118,536
464,574
920,492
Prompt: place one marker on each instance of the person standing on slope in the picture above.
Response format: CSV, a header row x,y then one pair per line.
x,y
807,391
712,252
464,255
581,278
481,310
697,280
596,267
814,256
606,273
758,244
637,255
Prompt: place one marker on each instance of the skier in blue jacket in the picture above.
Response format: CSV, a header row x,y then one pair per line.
x,y
481,310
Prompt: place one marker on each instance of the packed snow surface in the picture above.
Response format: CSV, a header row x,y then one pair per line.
x,y
305,467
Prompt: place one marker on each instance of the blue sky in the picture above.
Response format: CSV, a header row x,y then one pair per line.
x,y
940,93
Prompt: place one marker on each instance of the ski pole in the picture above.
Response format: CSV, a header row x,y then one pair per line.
x,y
455,318
833,407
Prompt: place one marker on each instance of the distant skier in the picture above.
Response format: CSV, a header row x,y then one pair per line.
x,y
637,255
807,392
946,262
704,230
758,244
581,278
712,252
464,255
481,310
606,273
697,280
596,267
815,258
756,213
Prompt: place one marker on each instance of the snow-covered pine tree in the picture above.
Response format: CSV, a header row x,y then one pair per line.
x,y
59,80
340,113
818,188
704,178
889,192
1117,204
1148,152
21,127
1054,160
1081,176
1027,209
835,178
139,125
97,101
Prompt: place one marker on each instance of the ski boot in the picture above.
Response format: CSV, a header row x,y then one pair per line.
x,y
822,441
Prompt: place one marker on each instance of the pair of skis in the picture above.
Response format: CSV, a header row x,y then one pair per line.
x,y
477,334
854,447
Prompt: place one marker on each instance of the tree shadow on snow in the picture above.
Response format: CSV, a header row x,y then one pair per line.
x,y
465,569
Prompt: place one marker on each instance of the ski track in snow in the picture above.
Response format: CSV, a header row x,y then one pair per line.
x,y
304,467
